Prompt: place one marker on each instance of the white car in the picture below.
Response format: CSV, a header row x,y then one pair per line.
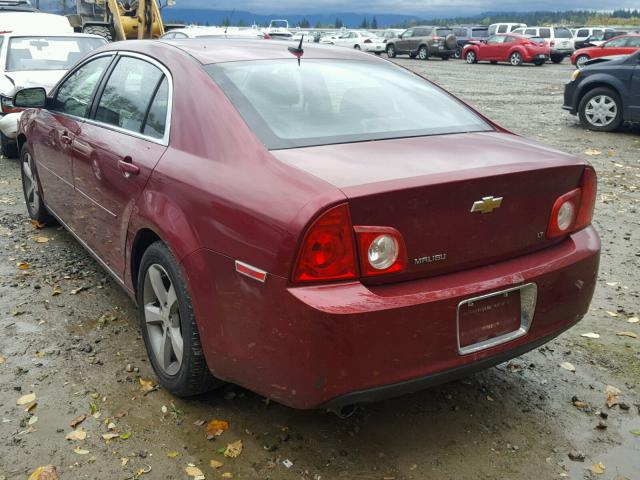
x,y
42,23
215,32
35,60
361,40
559,39
498,28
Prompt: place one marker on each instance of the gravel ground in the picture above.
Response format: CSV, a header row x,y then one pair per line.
x,y
81,353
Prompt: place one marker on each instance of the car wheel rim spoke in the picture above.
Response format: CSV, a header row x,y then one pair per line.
x,y
31,191
162,320
601,110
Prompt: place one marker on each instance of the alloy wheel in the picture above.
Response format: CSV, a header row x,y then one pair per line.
x,y
30,183
423,54
581,60
516,59
471,57
601,110
391,51
162,320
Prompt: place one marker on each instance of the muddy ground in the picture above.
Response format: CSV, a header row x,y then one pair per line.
x,y
80,352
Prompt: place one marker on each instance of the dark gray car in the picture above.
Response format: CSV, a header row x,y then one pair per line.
x,y
424,42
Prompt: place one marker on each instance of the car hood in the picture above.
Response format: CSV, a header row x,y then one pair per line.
x,y
44,78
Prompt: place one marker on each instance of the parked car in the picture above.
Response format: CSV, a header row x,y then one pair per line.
x,y
559,39
360,40
285,246
515,49
32,21
604,94
597,40
623,45
582,36
390,33
498,28
34,60
466,34
215,32
424,42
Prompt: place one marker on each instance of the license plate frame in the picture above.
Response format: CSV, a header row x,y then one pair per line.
x,y
528,299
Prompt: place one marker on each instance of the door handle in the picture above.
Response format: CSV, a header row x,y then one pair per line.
x,y
65,138
127,167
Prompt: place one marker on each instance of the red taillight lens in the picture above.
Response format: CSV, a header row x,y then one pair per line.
x,y
327,251
588,201
267,36
574,210
381,249
7,105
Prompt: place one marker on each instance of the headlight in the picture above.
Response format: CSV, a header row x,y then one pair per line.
x,y
575,75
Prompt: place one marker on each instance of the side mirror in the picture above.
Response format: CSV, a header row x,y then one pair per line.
x,y
30,98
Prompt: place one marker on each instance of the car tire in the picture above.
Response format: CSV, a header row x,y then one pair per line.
x,y
445,57
31,189
168,325
458,54
471,57
515,59
391,51
557,58
101,30
8,147
601,110
538,63
581,60
423,52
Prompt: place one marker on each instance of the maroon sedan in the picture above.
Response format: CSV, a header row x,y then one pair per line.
x,y
324,233
515,49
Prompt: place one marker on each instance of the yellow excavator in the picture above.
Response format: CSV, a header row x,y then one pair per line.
x,y
119,20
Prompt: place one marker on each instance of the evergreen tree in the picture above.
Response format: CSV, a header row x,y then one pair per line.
x,y
318,24
374,23
364,24
339,23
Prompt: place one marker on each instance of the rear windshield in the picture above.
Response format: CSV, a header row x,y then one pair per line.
x,y
48,53
324,102
563,33
480,32
443,32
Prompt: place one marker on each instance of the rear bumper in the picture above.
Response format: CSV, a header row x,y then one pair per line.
x,y
435,51
331,345
565,52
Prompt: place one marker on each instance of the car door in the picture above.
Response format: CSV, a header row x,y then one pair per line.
x,y
120,145
491,50
631,45
404,41
503,50
56,128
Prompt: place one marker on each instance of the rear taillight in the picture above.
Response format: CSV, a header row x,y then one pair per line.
x,y
574,210
381,250
327,251
436,38
267,36
7,105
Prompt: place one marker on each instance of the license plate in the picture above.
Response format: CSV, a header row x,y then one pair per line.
x,y
490,320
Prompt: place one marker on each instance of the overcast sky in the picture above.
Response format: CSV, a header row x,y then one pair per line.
x,y
413,7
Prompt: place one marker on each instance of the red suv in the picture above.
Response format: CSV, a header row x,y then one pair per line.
x,y
291,224
515,49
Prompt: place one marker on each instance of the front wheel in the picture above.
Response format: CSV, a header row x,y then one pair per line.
x,y
458,53
168,325
515,59
391,51
31,189
423,53
581,60
601,110
557,58
471,57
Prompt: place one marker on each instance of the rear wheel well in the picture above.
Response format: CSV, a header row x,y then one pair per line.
x,y
21,139
593,86
144,239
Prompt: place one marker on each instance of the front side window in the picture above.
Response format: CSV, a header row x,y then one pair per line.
x,y
48,53
495,40
616,42
333,101
127,94
407,34
74,94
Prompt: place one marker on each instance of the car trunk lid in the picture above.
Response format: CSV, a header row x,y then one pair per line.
x,y
435,189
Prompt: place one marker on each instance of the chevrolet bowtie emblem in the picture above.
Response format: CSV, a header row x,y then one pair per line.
x,y
486,205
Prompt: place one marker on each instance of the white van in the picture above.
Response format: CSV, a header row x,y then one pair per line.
x,y
559,39
504,27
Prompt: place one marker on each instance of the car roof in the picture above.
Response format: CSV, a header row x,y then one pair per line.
x,y
220,50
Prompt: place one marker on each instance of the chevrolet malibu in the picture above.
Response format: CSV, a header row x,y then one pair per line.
x,y
324,228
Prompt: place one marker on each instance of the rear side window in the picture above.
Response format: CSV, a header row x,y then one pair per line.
x,y
75,93
545,32
443,32
531,31
503,28
127,94
583,33
156,120
562,33
480,33
633,42
460,32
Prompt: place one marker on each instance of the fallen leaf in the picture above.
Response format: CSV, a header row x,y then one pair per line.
x,y
56,291
612,314
47,472
627,334
590,335
592,151
120,415
111,426
597,468
634,320
579,404
611,390
28,398
37,225
81,451
216,464
93,408
612,400
23,266
194,472
42,239
110,436
2,359
612,284
227,475
489,398
146,385
287,463
76,291
77,435
636,432
124,461
568,366
216,428
39,354
172,454
233,450
31,406
125,436
32,420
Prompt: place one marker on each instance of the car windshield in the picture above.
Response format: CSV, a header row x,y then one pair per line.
x,y
48,53
563,33
324,102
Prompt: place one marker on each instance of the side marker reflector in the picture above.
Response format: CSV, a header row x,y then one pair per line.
x,y
251,272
